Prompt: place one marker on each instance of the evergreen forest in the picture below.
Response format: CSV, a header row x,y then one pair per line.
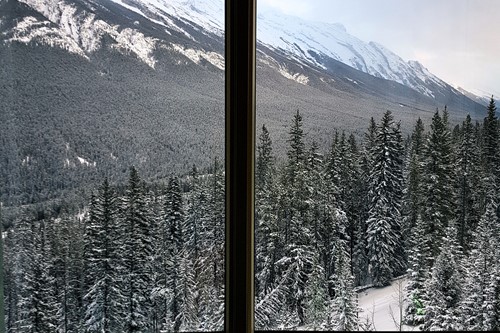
x,y
149,256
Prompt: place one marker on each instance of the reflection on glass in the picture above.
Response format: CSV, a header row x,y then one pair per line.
x,y
377,178
111,165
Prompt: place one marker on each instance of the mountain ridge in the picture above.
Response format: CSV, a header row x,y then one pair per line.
x,y
305,41
159,108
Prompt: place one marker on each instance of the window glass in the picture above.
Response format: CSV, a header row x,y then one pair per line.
x,y
377,161
112,165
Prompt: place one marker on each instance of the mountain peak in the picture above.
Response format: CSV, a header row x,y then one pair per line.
x,y
309,42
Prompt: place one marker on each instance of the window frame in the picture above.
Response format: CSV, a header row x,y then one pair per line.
x,y
240,48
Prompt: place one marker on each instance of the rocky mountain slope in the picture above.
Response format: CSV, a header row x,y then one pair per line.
x,y
90,87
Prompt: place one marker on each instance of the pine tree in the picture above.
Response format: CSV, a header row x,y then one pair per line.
x,y
332,174
71,240
102,241
343,308
384,223
316,188
317,297
437,189
468,184
174,220
491,145
217,205
196,228
45,302
211,287
266,228
361,255
480,299
418,273
23,274
299,257
444,290
136,253
11,288
265,161
412,196
36,302
296,154
2,274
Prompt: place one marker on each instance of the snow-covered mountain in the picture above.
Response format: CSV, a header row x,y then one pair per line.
x,y
78,28
105,84
312,42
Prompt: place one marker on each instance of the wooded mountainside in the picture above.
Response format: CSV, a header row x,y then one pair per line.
x,y
149,257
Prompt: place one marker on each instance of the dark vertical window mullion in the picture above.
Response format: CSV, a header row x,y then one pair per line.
x,y
240,155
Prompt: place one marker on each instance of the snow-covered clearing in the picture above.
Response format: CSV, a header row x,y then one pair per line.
x,y
382,306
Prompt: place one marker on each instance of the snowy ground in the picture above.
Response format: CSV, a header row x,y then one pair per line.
x,y
382,306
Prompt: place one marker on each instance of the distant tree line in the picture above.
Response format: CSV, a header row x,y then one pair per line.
x,y
151,258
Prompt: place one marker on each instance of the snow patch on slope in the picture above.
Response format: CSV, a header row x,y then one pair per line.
x,y
198,55
26,160
300,78
79,32
284,71
30,29
135,42
85,162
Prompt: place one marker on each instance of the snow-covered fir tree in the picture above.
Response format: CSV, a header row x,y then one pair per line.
x,y
324,225
136,255
437,184
479,307
469,185
104,294
491,144
384,223
444,289
343,312
418,274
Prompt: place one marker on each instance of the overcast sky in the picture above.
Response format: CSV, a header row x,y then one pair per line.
x,y
457,40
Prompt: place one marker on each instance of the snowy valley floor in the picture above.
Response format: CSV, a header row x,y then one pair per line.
x,y
382,306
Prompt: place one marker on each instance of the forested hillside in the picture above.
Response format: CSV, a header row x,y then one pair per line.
x,y
149,257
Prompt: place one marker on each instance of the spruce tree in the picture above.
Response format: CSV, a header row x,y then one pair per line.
x,y
136,252
413,197
384,222
491,145
266,233
23,274
437,189
102,243
332,173
299,257
174,220
444,289
468,184
343,308
478,308
418,273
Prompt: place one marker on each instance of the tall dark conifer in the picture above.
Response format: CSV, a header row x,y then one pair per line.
x,y
491,142
137,255
102,243
384,222
174,221
437,181
266,242
468,184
